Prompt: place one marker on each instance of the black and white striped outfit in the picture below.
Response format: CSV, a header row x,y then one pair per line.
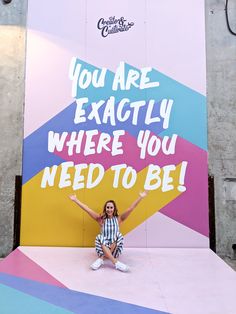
x,y
110,233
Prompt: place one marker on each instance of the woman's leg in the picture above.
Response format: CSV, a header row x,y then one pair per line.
x,y
99,241
119,245
106,250
113,247
108,254
98,246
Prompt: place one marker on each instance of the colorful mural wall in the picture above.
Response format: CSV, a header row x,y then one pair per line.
x,y
115,104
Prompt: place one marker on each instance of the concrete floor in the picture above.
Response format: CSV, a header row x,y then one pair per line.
x,y
230,262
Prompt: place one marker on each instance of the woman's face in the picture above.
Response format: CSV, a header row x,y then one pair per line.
x,y
110,209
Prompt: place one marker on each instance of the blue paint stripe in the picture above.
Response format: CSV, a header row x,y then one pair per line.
x,y
74,301
13,301
35,150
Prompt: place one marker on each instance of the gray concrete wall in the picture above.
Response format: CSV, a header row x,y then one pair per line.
x,y
12,65
221,92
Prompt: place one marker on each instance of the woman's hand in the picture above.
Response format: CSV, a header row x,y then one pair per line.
x,y
143,194
132,207
73,197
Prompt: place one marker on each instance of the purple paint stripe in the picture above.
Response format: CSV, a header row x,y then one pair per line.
x,y
74,301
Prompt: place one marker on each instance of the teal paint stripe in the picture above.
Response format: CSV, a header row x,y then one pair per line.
x,y
75,301
188,116
14,302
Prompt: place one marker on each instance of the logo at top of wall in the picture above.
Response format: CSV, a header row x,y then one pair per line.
x,y
113,25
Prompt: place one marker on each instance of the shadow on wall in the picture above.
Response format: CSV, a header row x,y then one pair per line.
x,y
211,201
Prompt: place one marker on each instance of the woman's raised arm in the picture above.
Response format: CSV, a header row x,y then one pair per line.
x,y
88,210
132,207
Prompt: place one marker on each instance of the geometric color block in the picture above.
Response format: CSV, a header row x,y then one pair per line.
x,y
73,301
18,264
13,301
37,156
73,227
71,266
191,208
163,280
114,123
168,233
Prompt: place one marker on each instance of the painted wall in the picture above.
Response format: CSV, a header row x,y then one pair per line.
x,y
220,91
151,121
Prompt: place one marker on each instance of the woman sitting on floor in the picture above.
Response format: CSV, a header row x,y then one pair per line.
x,y
109,243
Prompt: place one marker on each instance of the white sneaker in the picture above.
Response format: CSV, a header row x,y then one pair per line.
x,y
122,267
97,264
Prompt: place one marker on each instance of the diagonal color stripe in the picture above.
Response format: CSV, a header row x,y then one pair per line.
x,y
36,155
163,232
189,115
73,226
143,288
192,214
76,302
187,104
184,150
181,210
18,264
191,208
13,301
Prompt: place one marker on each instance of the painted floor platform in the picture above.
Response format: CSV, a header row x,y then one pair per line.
x,y
59,280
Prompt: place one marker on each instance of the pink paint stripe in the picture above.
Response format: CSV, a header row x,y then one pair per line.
x,y
190,208
105,158
18,264
131,154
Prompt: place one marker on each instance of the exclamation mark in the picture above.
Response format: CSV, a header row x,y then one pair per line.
x,y
182,187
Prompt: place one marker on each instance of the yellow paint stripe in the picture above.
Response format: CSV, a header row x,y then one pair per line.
x,y
50,218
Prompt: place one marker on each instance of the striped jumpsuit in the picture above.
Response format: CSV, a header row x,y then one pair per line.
x,y
110,233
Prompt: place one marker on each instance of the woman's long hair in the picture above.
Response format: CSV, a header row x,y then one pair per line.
x,y
104,214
